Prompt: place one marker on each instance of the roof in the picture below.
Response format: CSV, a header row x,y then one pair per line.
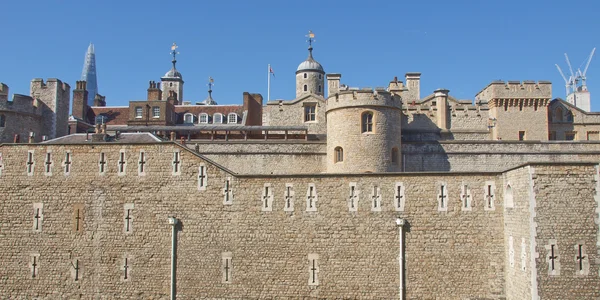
x,y
210,109
116,115
173,73
205,127
310,64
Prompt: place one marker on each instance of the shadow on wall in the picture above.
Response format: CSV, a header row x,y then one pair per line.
x,y
421,149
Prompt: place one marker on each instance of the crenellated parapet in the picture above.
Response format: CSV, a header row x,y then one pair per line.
x,y
527,90
366,97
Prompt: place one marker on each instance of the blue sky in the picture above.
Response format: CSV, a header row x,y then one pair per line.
x,y
458,45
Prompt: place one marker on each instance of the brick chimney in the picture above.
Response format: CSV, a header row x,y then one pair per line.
x,y
253,105
99,100
80,95
173,98
154,92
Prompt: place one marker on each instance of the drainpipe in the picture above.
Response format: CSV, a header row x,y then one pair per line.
x,y
400,223
173,222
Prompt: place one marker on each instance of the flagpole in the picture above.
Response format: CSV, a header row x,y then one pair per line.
x,y
268,82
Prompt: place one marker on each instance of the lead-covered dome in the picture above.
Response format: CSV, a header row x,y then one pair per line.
x,y
310,64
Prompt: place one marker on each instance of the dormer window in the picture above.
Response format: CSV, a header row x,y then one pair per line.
x,y
203,118
188,118
232,118
217,118
138,112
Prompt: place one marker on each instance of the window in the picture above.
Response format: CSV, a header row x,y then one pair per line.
x,y
2,120
319,88
570,136
367,122
217,118
552,135
338,154
521,135
305,87
320,76
155,112
232,118
394,156
508,197
305,76
138,112
203,118
188,118
593,135
569,116
309,113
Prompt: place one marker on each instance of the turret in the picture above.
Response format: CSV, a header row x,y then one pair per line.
x,y
364,131
310,76
172,81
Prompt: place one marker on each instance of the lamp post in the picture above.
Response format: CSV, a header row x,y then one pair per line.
x,y
173,222
400,223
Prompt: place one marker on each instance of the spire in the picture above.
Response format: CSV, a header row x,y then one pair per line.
x,y
89,74
173,73
209,100
311,39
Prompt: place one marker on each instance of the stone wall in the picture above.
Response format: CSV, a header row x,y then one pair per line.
x,y
291,113
492,155
449,254
566,212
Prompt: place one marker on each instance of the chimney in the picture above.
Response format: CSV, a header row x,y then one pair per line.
x,y
253,105
172,98
99,100
31,137
441,103
333,84
80,96
3,92
172,135
16,138
154,92
396,86
413,83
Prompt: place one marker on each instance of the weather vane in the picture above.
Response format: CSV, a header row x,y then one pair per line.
x,y
311,38
173,50
210,84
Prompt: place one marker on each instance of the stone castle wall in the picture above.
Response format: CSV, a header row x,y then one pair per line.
x,y
269,247
291,113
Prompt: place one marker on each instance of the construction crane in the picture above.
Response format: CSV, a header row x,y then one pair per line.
x,y
581,75
567,81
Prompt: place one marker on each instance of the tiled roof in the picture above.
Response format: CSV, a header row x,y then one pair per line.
x,y
124,138
117,115
209,109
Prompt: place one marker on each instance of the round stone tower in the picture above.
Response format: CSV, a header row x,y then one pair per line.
x,y
310,77
364,131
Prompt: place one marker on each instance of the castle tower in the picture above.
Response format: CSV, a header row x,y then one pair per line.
x,y
56,98
89,74
363,131
172,81
310,77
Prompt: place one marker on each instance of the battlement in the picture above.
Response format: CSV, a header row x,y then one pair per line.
x,y
355,97
38,83
3,92
527,89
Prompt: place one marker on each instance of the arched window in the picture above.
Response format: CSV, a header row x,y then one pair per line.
x,y
338,154
367,122
232,118
395,156
203,118
2,120
305,76
569,116
188,118
508,197
171,84
558,115
305,87
217,118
